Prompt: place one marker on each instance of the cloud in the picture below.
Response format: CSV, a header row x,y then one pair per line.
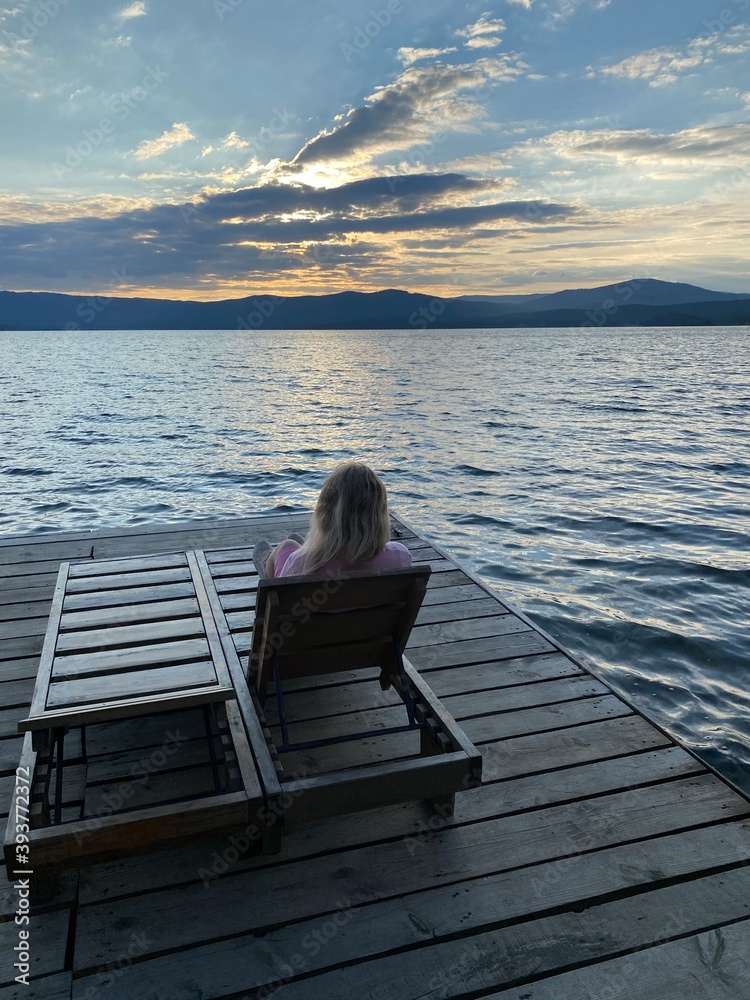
x,y
19,209
175,136
417,105
665,65
136,9
710,147
522,3
258,230
484,33
484,163
233,141
559,11
408,56
578,245
361,199
15,53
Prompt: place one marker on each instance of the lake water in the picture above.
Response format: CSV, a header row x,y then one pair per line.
x,y
597,479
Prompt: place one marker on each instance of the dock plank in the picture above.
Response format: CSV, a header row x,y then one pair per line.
x,y
55,987
714,965
523,952
17,692
560,715
593,834
10,751
35,585
21,648
49,932
298,890
502,761
504,646
461,707
320,700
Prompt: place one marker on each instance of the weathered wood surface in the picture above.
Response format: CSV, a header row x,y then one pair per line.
x,y
51,931
714,965
55,987
597,860
124,651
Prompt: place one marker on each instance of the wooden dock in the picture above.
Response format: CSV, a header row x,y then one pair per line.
x,y
598,860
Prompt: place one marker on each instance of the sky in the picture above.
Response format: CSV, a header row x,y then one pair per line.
x,y
213,149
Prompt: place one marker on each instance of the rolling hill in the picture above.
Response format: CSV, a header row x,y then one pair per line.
x,y
641,302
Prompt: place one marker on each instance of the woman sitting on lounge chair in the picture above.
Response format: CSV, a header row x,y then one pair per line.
x,y
349,530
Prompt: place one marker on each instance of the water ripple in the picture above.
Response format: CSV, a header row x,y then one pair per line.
x,y
602,487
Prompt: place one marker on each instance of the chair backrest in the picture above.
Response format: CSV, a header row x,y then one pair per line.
x,y
323,624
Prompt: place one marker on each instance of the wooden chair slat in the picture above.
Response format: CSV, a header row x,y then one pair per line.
x,y
128,658
111,581
134,683
329,623
127,595
130,564
125,613
131,635
336,658
362,626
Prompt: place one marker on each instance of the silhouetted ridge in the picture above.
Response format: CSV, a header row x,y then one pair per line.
x,y
638,302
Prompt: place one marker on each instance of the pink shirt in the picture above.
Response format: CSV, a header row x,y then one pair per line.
x,y
393,556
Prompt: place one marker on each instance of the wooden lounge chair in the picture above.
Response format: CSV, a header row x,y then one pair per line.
x,y
309,635
137,647
133,741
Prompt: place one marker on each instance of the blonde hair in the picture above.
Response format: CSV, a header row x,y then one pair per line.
x,y
350,521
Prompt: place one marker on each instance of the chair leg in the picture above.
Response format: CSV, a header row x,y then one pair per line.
x,y
280,701
405,691
442,806
270,842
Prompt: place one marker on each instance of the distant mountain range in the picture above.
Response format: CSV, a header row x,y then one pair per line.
x,y
638,302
